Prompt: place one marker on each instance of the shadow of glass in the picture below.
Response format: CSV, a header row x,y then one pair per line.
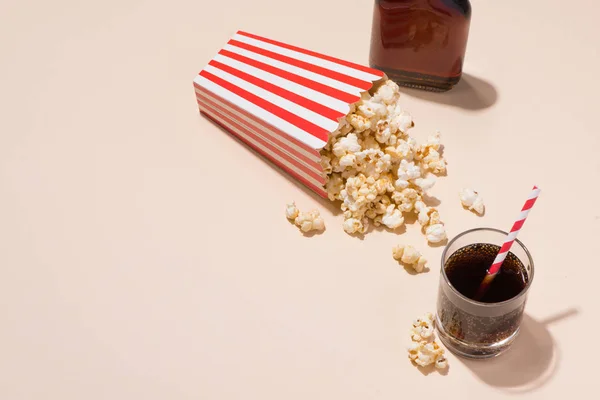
x,y
529,364
470,93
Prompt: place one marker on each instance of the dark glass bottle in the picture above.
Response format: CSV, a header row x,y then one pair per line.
x,y
420,43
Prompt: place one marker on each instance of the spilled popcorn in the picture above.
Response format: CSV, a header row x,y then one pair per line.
x,y
306,221
409,255
424,350
472,200
378,171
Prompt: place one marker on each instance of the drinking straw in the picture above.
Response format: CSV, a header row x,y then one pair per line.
x,y
510,239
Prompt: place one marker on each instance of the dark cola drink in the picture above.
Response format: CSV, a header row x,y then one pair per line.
x,y
487,326
467,267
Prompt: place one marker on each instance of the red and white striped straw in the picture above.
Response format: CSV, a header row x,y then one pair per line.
x,y
510,239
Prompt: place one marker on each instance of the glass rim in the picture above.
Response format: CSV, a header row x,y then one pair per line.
x,y
480,303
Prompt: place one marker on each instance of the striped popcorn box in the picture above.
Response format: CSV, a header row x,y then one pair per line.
x,y
281,100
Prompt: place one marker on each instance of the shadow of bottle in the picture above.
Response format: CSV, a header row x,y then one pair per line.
x,y
470,93
529,364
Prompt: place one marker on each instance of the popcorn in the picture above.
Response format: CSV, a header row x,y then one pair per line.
x,y
434,163
353,225
383,133
334,186
437,166
306,221
384,184
404,122
436,233
370,213
377,220
441,362
428,216
423,217
370,143
387,93
424,350
406,150
359,122
408,170
472,200
371,163
422,328
347,144
401,184
425,183
393,217
434,141
429,155
413,350
348,160
409,255
430,353
374,162
326,164
420,206
291,211
310,221
420,265
406,199
372,109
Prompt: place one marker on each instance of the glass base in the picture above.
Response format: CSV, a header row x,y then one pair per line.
x,y
473,350
416,80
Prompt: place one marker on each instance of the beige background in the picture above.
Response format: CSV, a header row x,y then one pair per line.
x,y
144,253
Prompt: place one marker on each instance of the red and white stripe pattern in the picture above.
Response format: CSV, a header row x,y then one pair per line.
x,y
281,100
508,242
516,228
